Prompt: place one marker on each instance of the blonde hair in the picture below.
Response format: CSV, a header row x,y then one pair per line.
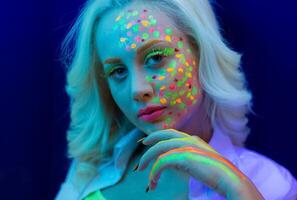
x,y
96,123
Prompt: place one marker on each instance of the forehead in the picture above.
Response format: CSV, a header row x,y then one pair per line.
x,y
130,27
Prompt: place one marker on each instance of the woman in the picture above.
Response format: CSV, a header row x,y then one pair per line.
x,y
158,108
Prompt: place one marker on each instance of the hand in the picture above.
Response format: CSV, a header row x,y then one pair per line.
x,y
176,149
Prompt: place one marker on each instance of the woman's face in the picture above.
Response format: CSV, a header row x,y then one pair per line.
x,y
148,63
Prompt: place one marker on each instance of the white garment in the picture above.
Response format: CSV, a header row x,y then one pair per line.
x,y
272,180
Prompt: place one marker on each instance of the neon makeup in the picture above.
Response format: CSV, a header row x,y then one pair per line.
x,y
174,82
199,156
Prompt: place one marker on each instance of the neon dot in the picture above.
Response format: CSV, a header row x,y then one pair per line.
x,y
150,17
133,46
172,64
135,27
149,79
172,86
151,30
189,75
168,31
156,100
129,25
163,88
187,64
129,33
123,39
135,13
145,36
156,34
118,18
143,16
138,39
191,97
153,22
170,70
172,103
180,44
178,100
180,70
161,78
145,23
168,38
163,101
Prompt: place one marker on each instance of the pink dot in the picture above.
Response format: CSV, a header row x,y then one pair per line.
x,y
151,30
161,93
143,16
129,33
138,39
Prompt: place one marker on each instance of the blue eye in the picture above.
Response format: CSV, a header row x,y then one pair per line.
x,y
155,59
118,73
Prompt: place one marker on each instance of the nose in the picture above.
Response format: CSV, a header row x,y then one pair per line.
x,y
142,90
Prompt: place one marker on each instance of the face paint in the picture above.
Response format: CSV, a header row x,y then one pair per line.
x,y
199,156
175,84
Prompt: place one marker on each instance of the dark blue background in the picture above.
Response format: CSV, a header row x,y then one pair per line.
x,y
34,107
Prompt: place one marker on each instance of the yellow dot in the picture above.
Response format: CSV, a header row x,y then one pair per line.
x,y
178,55
161,78
163,88
129,25
191,97
178,100
194,63
168,38
145,23
187,84
187,64
180,70
133,46
163,101
170,70
118,18
123,39
189,75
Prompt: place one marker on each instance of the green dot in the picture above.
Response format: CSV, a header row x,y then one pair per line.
x,y
135,13
153,22
180,44
156,100
168,31
145,36
194,91
135,28
179,84
172,103
182,92
175,95
182,105
156,34
168,120
172,64
149,79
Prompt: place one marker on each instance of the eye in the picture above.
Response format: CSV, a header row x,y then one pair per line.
x,y
118,73
157,55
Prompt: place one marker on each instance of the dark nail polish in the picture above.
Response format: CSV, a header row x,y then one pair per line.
x,y
135,167
147,188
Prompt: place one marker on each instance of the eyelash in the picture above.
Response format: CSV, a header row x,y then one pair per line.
x,y
154,52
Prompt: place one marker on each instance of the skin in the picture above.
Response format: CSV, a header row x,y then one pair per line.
x,y
165,73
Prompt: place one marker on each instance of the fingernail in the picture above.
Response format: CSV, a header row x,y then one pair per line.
x,y
147,189
141,139
135,167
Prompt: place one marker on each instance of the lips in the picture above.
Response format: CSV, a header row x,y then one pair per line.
x,y
151,113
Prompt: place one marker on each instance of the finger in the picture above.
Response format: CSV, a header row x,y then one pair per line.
x,y
172,133
204,166
167,145
163,135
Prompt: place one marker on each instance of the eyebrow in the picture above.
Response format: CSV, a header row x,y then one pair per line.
x,y
138,51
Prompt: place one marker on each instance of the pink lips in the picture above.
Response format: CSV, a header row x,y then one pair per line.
x,y
151,113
